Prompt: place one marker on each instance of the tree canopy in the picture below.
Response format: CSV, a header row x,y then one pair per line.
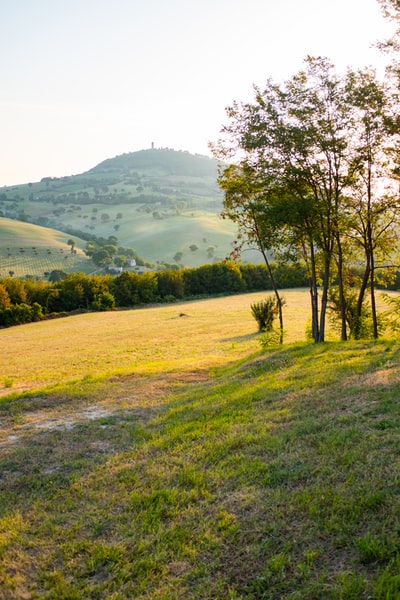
x,y
313,176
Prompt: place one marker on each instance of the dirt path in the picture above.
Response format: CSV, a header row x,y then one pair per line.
x,y
143,397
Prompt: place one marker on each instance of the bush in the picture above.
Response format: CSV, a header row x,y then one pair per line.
x,y
264,313
170,283
125,289
18,314
272,338
103,301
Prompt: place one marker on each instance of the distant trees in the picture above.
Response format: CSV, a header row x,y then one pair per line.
x,y
22,301
178,256
5,301
71,242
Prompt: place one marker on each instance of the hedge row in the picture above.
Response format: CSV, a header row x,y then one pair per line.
x,y
23,301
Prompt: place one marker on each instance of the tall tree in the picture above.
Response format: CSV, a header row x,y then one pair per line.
x,y
374,192
248,204
317,166
294,135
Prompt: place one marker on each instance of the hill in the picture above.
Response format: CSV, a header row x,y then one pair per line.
x,y
163,203
31,250
172,459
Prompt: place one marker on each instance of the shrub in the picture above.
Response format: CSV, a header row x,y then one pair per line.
x,y
360,327
264,313
5,301
125,289
103,301
18,314
271,338
170,283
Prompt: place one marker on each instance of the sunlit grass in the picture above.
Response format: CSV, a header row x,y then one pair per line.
x,y
193,335
207,468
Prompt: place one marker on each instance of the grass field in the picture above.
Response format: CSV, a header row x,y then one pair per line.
x,y
210,333
159,454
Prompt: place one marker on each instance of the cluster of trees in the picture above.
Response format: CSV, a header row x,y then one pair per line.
x,y
23,301
313,176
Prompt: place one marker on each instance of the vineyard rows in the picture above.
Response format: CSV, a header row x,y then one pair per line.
x,y
40,262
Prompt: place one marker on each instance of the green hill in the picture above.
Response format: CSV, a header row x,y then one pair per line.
x,y
27,249
161,202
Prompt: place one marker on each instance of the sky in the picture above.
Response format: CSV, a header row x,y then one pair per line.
x,y
86,80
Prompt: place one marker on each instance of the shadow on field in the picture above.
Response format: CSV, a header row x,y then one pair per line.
x,y
49,442
241,338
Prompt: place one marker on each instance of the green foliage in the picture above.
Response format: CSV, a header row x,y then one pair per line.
x,y
147,288
170,284
294,140
18,314
264,313
64,293
103,301
271,338
392,316
57,275
224,277
360,326
5,301
16,290
125,289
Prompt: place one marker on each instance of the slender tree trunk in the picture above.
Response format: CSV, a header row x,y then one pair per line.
x,y
342,299
277,295
324,300
314,297
361,296
373,301
312,279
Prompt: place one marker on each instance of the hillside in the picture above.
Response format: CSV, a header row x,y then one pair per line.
x,y
163,203
31,250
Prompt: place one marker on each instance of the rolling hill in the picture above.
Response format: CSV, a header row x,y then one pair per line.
x,y
31,250
163,203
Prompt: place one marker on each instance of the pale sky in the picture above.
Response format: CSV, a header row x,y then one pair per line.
x,y
86,80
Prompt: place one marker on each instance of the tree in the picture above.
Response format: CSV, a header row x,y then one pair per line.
x,y
374,194
5,301
391,11
57,275
294,138
71,242
120,260
178,257
302,151
247,203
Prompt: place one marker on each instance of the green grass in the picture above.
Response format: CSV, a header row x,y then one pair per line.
x,y
236,474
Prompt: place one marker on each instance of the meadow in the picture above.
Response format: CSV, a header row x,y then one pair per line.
x,y
159,453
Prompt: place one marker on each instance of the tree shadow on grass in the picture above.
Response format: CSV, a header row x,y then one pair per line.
x,y
241,338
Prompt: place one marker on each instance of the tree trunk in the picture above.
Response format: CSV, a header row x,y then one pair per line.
x,y
373,301
324,301
277,295
361,296
342,299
